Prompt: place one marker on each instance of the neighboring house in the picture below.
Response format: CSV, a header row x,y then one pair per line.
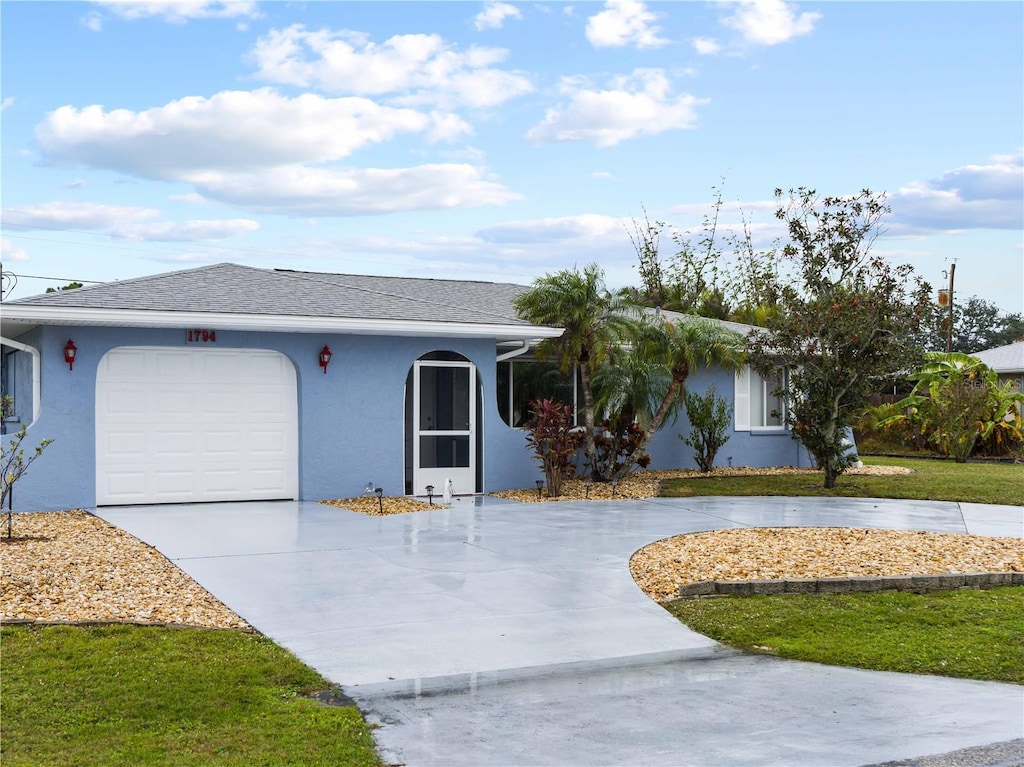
x,y
1007,361
231,383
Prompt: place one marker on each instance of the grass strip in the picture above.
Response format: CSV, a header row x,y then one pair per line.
x,y
129,695
965,634
932,479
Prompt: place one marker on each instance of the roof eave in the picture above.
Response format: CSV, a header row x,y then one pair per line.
x,y
271,322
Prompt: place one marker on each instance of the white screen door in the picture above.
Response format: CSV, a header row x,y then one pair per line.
x,y
444,428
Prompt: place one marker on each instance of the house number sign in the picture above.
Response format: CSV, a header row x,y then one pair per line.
x,y
202,336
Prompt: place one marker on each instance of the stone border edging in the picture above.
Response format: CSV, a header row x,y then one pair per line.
x,y
916,583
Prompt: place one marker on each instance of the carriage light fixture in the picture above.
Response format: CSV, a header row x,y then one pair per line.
x,y
325,357
70,350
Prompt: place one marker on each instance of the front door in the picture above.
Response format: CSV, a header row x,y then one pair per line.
x,y
444,428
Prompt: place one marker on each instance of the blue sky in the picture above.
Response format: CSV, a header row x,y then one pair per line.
x,y
499,141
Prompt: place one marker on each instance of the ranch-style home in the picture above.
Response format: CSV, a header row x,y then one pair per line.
x,y
228,383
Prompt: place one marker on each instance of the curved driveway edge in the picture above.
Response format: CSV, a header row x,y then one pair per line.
x,y
533,596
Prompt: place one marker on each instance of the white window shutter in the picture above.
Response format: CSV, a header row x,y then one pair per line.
x,y
741,399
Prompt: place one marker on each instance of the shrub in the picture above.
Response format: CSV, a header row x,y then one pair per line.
x,y
710,416
554,439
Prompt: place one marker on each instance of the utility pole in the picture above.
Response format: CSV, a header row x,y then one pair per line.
x,y
946,299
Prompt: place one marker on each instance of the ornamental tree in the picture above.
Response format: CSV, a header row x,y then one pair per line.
x,y
845,322
13,461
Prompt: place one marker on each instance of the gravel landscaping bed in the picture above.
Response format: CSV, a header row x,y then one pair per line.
x,y
758,554
647,484
70,566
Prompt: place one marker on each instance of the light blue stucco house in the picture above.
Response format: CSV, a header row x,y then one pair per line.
x,y
234,383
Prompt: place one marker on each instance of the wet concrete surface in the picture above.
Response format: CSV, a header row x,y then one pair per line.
x,y
497,633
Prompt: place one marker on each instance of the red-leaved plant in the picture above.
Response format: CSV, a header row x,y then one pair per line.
x,y
554,440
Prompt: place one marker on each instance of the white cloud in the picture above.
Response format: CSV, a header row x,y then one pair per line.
x,y
634,105
232,130
987,196
123,221
92,21
770,22
412,69
624,22
191,197
11,252
300,190
188,231
6,103
76,215
586,226
266,152
494,14
180,11
601,174
706,46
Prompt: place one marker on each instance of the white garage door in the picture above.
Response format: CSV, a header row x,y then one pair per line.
x,y
178,425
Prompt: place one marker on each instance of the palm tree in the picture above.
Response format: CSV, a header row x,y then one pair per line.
x,y
677,348
595,321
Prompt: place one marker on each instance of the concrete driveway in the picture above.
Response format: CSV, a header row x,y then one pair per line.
x,y
500,633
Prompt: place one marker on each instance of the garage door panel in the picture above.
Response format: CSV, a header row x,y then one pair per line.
x,y
173,445
127,485
130,366
265,404
124,402
223,444
222,403
186,425
267,443
169,402
125,444
267,480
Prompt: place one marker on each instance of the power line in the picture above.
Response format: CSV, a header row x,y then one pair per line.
x,y
57,279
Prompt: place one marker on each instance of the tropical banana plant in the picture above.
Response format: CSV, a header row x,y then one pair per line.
x,y
957,401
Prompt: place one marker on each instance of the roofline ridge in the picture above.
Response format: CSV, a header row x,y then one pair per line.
x,y
397,277
425,302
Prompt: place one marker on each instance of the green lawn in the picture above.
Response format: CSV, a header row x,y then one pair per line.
x,y
129,695
932,479
967,634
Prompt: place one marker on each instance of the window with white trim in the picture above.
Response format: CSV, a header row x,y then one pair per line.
x,y
756,405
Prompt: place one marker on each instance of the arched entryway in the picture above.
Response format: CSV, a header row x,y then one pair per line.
x,y
442,425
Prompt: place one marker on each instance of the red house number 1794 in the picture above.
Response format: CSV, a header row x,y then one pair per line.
x,y
202,336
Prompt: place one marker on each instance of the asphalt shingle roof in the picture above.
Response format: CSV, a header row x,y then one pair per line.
x,y
234,289
1004,359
